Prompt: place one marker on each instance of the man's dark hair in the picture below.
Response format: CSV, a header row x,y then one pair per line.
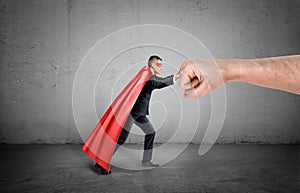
x,y
152,58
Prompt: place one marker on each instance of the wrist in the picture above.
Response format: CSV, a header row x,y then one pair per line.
x,y
230,69
225,67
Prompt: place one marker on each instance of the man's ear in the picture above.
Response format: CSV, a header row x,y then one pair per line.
x,y
151,65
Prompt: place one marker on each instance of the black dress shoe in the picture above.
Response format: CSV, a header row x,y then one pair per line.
x,y
102,170
149,164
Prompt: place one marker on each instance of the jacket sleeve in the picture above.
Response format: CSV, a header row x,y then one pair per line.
x,y
158,82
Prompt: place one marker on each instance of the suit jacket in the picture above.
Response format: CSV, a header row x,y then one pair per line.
x,y
141,106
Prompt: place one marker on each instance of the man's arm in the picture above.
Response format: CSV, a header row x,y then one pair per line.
x,y
158,82
281,73
200,77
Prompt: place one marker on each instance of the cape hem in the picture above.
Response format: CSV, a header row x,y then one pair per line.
x,y
96,158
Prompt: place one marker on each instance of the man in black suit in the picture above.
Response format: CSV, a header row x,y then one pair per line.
x,y
140,110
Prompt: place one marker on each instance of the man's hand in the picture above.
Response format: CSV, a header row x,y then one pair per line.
x,y
200,77
177,75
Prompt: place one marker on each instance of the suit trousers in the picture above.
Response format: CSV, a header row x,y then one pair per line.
x,y
146,126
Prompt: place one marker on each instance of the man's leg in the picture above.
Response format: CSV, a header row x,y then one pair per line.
x,y
125,132
149,131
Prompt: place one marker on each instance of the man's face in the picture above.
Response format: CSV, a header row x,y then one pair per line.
x,y
157,66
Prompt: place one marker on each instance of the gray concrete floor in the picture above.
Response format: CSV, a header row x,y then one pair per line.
x,y
225,168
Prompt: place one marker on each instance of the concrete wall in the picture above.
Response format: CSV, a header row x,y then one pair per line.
x,y
43,41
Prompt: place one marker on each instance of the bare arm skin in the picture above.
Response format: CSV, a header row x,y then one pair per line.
x,y
200,77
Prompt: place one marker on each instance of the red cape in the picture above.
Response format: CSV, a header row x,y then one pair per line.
x,y
101,143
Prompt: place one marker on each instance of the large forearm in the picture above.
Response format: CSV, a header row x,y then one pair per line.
x,y
281,73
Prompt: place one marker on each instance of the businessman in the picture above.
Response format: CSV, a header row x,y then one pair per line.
x,y
140,110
